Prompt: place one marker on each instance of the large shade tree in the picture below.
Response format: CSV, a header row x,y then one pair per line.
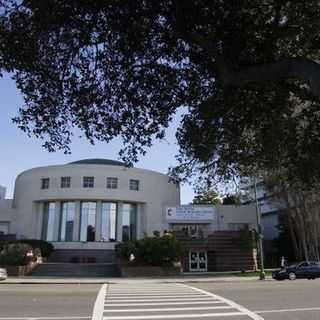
x,y
245,73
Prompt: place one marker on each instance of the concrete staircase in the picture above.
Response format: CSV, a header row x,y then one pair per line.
x,y
229,251
76,270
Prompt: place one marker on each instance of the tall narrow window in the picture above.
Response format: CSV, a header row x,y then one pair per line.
x,y
45,182
108,221
67,221
88,221
134,185
129,224
88,182
48,221
112,183
65,182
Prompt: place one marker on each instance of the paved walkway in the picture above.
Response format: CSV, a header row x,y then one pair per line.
x,y
188,279
164,301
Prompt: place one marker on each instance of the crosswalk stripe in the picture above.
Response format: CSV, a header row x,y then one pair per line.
x,y
168,309
153,294
246,311
178,316
161,303
166,299
146,296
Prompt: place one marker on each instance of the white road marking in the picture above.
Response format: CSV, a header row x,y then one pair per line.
x,y
145,296
165,294
168,309
161,303
43,318
177,316
288,310
237,306
166,299
99,304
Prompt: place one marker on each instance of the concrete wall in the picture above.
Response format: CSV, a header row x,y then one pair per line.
x,y
2,192
155,192
8,215
233,214
224,215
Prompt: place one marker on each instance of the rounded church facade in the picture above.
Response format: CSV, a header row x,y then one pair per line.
x,y
91,204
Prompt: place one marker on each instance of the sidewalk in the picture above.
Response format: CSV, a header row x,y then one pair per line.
x,y
181,279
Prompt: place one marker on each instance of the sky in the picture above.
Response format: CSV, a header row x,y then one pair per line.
x,y
18,152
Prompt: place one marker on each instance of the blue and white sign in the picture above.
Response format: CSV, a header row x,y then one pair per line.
x,y
190,213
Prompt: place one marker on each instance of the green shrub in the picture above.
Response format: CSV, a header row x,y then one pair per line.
x,y
45,247
155,251
125,248
15,254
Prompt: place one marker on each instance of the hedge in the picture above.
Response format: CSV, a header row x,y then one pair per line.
x,y
155,251
45,247
15,254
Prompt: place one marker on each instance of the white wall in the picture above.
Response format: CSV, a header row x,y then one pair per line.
x,y
236,214
3,191
155,192
8,215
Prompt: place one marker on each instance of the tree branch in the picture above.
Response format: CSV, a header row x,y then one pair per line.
x,y
298,68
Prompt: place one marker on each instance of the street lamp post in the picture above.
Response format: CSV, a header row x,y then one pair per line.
x,y
260,242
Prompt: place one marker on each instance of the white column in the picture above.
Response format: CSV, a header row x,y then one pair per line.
x,y
140,220
119,221
40,208
76,223
57,215
98,221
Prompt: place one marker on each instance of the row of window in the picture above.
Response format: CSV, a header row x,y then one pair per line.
x,y
88,182
87,231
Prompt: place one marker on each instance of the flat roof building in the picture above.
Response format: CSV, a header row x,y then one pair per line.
x,y
90,205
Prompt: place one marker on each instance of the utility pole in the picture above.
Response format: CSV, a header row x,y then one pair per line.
x,y
260,242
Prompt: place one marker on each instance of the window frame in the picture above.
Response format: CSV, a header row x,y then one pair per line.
x,y
86,183
67,208
65,182
45,183
131,184
48,221
86,212
112,183
106,218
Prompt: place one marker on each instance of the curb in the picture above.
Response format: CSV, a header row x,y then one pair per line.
x,y
129,280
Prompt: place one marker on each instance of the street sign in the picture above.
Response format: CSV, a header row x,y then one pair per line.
x,y
190,213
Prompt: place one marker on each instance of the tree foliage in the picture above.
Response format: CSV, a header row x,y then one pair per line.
x,y
243,71
206,196
231,199
301,215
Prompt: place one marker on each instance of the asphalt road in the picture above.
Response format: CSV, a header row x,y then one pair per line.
x,y
44,300
274,300
271,300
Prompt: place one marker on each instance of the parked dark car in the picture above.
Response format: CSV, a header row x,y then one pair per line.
x,y
301,270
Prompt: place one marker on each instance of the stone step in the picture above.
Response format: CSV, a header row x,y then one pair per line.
x,y
83,256
86,270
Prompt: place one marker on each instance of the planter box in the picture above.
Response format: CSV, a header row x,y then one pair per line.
x,y
20,271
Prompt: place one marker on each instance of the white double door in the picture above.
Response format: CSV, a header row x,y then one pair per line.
x,y
198,260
